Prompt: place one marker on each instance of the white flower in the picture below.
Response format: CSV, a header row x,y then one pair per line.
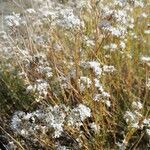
x,y
107,102
13,20
97,97
120,16
84,82
58,131
57,47
98,85
45,70
111,46
133,118
105,94
27,116
68,19
41,86
122,45
145,59
146,122
78,114
135,125
122,146
130,117
144,15
104,24
106,47
94,127
84,111
16,120
148,132
138,3
59,147
30,88
95,66
3,35
137,105
83,4
148,83
24,133
115,31
30,11
12,145
107,68
89,42
104,97
147,31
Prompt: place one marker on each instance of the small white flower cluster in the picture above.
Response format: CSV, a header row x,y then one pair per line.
x,y
83,4
67,19
147,32
89,42
27,124
13,20
3,35
87,83
122,45
37,81
137,105
122,146
134,118
146,60
117,20
148,132
30,11
51,12
36,71
52,119
84,82
94,65
45,70
120,16
84,111
148,83
94,127
111,47
40,87
59,147
78,115
139,3
11,145
107,68
104,97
